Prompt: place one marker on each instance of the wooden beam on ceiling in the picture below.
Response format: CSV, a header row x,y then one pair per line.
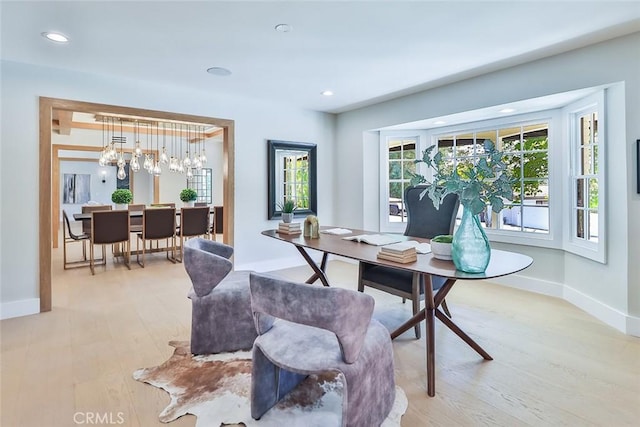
x,y
64,119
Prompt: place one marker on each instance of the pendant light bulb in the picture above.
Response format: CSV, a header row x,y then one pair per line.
x,y
121,173
135,165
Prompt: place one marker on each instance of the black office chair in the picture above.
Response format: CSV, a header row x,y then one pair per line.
x,y
423,220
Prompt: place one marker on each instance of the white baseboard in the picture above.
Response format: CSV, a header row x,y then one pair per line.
x,y
633,326
597,309
19,308
530,284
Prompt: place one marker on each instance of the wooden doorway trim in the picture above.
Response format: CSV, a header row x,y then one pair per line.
x,y
46,207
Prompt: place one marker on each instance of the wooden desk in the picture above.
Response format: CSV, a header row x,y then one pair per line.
x,y
502,263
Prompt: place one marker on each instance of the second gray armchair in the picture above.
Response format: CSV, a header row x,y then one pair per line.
x,y
307,329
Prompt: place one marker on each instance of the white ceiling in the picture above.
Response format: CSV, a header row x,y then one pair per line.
x,y
364,51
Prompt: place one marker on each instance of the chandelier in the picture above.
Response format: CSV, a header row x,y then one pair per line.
x,y
163,146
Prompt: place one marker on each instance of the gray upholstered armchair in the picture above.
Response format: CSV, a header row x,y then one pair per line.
x,y
221,305
306,329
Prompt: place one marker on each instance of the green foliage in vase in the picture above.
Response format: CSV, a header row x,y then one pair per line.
x,y
188,195
122,196
288,206
486,181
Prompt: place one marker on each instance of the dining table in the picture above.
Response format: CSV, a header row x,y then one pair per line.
x,y
502,263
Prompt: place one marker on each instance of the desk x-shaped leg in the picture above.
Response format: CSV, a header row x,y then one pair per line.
x,y
430,312
318,271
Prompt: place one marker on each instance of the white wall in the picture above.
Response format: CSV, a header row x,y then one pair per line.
x,y
610,291
255,121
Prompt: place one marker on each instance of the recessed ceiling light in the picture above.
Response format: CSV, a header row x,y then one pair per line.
x,y
55,37
439,122
326,93
507,110
219,71
283,28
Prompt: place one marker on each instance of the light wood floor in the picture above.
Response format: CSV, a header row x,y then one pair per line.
x,y
553,365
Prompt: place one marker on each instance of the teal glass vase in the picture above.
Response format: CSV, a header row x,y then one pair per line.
x,y
470,248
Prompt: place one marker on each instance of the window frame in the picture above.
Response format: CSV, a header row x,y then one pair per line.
x,y
420,137
595,103
552,239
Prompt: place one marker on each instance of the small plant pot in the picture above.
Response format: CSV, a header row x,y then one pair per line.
x,y
287,217
441,250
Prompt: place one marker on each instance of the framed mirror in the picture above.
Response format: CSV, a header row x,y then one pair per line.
x,y
292,176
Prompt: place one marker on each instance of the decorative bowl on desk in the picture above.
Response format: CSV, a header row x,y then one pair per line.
x,y
441,247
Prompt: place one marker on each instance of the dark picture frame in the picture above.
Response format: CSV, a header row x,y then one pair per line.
x,y
277,149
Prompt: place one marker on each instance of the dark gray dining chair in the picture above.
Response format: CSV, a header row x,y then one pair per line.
x,y
86,225
193,222
108,228
305,330
70,237
157,224
423,220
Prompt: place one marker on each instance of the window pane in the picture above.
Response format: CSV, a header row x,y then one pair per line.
x,y
593,226
408,168
535,164
585,130
535,218
536,191
580,192
464,145
585,163
395,190
395,170
509,139
580,223
480,140
593,193
409,151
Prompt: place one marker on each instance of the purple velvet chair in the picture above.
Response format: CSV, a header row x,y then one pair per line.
x,y
221,305
307,329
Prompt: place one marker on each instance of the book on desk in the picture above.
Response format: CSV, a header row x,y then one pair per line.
x,y
289,228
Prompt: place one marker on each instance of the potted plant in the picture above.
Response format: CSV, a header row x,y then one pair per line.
x,y
441,246
122,197
287,207
485,181
188,197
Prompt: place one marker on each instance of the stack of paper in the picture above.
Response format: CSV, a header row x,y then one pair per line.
x,y
289,228
336,231
399,252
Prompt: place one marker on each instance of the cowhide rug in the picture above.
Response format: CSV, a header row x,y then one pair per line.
x,y
216,389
